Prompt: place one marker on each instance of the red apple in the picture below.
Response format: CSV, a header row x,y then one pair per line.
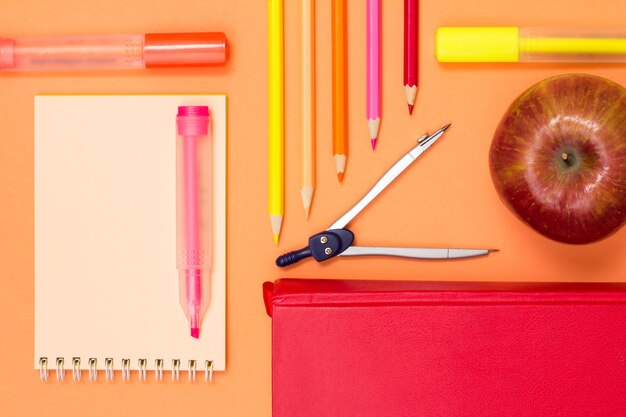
x,y
558,158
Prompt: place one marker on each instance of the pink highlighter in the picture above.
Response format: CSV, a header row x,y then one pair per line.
x,y
193,211
112,52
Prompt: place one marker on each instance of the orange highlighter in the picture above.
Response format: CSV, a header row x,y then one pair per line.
x,y
112,52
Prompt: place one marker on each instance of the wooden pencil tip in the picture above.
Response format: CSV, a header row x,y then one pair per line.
x,y
276,221
340,165
374,144
307,196
410,109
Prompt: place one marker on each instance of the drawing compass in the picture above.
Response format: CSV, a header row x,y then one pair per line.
x,y
338,241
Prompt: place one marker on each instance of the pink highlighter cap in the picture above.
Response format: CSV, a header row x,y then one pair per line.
x,y
185,49
192,120
7,53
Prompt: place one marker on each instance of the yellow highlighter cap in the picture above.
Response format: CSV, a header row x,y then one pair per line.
x,y
497,44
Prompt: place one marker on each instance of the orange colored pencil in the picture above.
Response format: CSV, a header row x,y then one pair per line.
x,y
340,114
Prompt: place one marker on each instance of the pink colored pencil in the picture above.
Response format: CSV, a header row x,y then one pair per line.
x,y
373,69
411,31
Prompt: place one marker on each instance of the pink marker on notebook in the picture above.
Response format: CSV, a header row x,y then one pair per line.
x,y
112,52
193,211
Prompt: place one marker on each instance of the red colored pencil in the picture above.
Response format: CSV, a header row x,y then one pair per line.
x,y
411,60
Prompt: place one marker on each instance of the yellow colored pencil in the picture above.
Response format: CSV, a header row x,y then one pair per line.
x,y
276,116
308,104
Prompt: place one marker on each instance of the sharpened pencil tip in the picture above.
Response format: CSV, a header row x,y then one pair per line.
x,y
195,332
493,250
374,144
410,109
306,193
276,220
443,129
340,165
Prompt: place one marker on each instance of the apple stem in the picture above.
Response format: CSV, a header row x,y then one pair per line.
x,y
569,159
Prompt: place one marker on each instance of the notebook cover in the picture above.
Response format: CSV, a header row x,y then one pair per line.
x,y
106,283
382,348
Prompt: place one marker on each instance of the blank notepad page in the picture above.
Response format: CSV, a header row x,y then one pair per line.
x,y
106,283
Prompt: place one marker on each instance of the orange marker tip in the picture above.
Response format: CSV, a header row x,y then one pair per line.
x,y
340,176
374,144
410,109
195,332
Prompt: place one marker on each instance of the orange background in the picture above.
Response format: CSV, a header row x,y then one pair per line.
x,y
446,199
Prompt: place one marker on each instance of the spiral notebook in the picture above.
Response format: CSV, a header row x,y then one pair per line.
x,y
106,284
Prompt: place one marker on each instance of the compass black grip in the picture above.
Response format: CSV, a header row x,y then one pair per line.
x,y
291,258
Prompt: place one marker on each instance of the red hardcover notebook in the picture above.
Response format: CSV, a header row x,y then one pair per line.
x,y
381,348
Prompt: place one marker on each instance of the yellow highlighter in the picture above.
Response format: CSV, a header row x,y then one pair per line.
x,y
512,44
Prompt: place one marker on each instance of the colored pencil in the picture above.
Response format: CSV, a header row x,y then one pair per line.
x,y
373,69
411,55
339,58
276,116
308,104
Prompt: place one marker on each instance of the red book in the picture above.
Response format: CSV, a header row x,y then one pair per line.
x,y
381,348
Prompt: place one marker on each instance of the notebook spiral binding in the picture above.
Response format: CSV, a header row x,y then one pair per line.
x,y
109,370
